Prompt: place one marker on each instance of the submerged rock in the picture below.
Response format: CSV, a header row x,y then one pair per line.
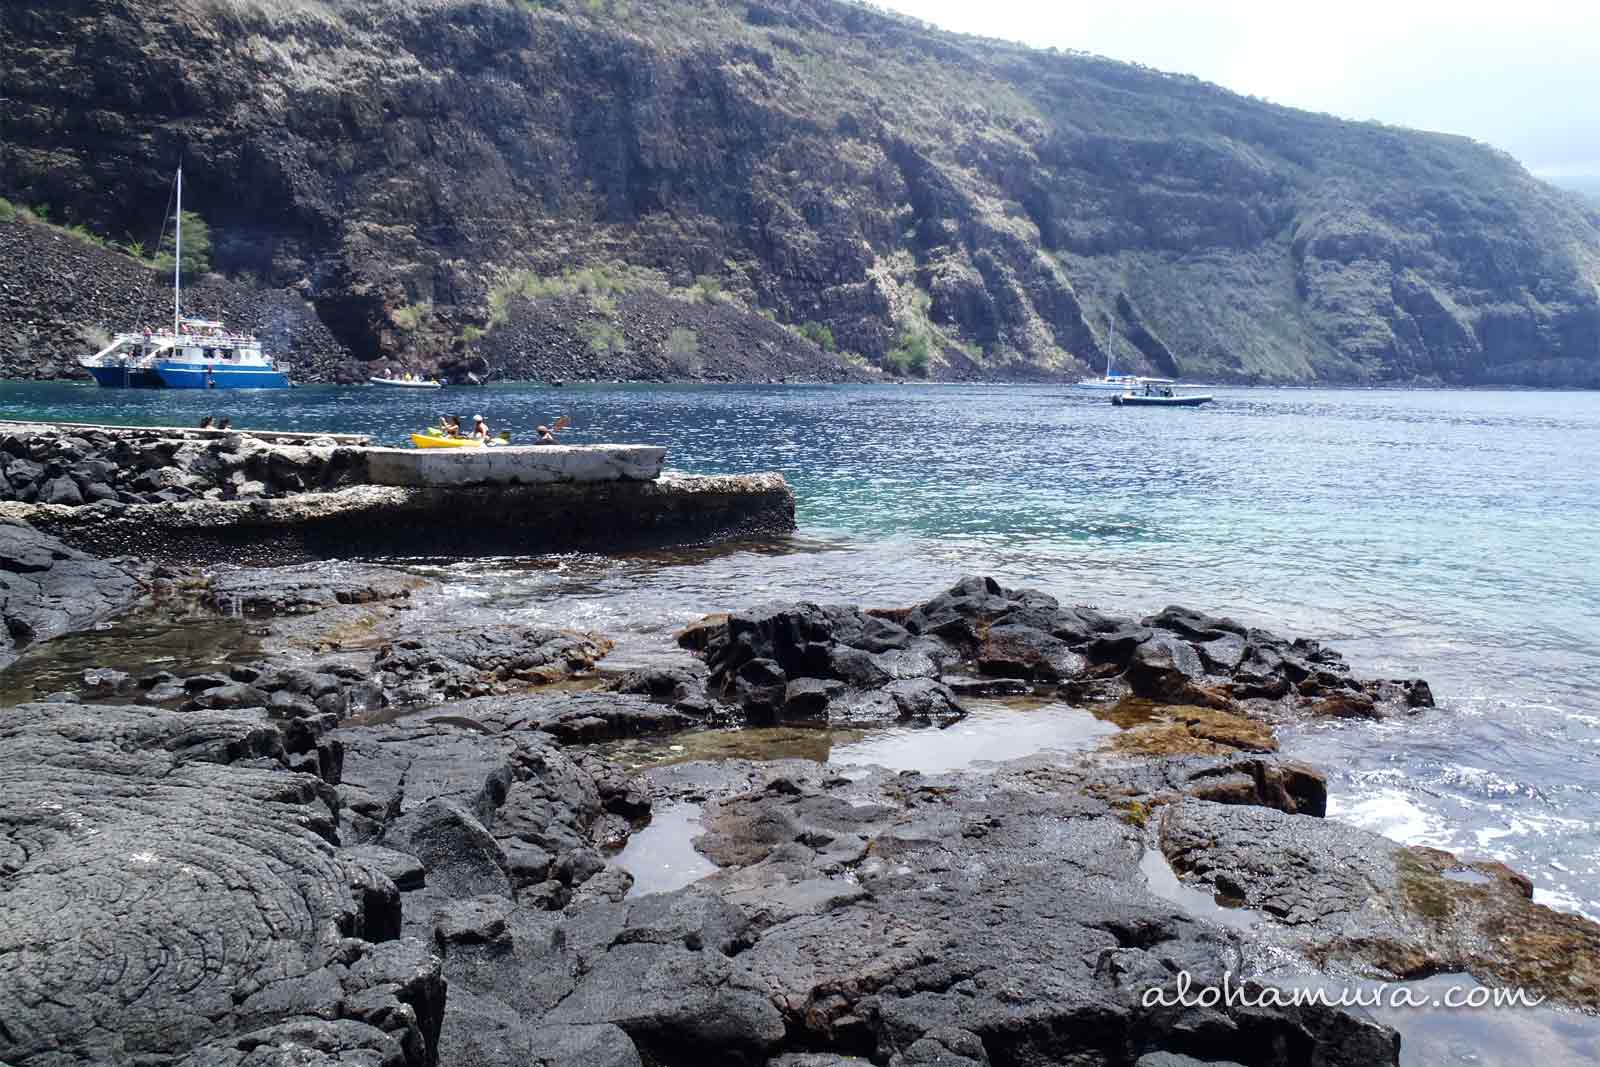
x,y
305,588
451,664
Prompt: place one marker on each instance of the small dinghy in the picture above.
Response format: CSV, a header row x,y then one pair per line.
x,y
407,383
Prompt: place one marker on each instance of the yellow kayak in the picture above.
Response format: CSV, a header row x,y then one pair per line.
x,y
426,440
433,440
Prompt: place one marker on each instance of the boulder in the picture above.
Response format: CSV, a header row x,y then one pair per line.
x,y
807,698
48,589
663,683
1015,651
1193,625
61,490
106,681
1167,669
229,695
459,857
954,615
1117,646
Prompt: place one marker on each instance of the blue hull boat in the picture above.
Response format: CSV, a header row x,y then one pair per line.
x,y
193,354
173,374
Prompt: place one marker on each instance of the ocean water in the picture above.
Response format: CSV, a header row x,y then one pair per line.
x,y
1453,535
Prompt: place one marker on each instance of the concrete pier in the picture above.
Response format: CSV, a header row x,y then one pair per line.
x,y
513,465
190,496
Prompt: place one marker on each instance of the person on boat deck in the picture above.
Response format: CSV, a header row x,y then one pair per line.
x,y
480,429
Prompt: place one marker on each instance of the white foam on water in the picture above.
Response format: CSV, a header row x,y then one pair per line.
x,y
1394,814
1562,898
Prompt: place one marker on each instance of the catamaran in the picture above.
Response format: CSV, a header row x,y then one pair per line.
x,y
194,354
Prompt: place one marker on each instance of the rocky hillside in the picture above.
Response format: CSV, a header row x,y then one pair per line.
x,y
443,180
62,297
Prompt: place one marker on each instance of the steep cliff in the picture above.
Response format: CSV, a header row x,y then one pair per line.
x,y
432,174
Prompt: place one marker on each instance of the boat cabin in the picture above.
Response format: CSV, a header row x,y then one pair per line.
x,y
196,341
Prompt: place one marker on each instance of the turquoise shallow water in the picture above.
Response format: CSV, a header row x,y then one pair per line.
x,y
1447,534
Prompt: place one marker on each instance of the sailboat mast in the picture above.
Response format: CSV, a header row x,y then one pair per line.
x,y
177,260
1110,339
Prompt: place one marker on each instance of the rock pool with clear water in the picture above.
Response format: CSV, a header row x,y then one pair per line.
x,y
1446,534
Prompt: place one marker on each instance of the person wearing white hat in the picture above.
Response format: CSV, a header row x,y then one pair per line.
x,y
480,429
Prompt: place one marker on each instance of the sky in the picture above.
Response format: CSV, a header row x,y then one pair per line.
x,y
1523,76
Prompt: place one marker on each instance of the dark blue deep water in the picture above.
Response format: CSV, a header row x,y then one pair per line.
x,y
1452,535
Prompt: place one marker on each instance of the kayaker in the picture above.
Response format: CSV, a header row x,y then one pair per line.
x,y
480,429
546,435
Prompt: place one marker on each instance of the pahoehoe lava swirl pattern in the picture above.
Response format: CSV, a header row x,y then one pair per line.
x,y
155,899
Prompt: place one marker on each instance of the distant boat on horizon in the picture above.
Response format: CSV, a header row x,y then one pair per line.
x,y
194,354
1122,384
1110,382
406,383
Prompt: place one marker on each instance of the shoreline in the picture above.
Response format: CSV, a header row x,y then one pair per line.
x,y
1067,383
459,787
392,748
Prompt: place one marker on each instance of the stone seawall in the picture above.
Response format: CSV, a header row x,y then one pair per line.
x,y
370,521
74,465
190,496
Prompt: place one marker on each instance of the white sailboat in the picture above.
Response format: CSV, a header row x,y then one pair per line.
x,y
1111,383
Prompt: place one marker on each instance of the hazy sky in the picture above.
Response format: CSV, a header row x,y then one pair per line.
x,y
1523,76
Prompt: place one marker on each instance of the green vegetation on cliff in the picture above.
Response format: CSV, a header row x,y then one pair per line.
x,y
196,246
820,162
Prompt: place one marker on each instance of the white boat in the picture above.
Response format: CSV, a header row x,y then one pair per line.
x,y
407,383
194,354
1111,383
1159,393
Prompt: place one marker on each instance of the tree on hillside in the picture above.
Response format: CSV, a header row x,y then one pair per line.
x,y
196,246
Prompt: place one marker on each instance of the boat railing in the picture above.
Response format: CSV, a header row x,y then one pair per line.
x,y
167,337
